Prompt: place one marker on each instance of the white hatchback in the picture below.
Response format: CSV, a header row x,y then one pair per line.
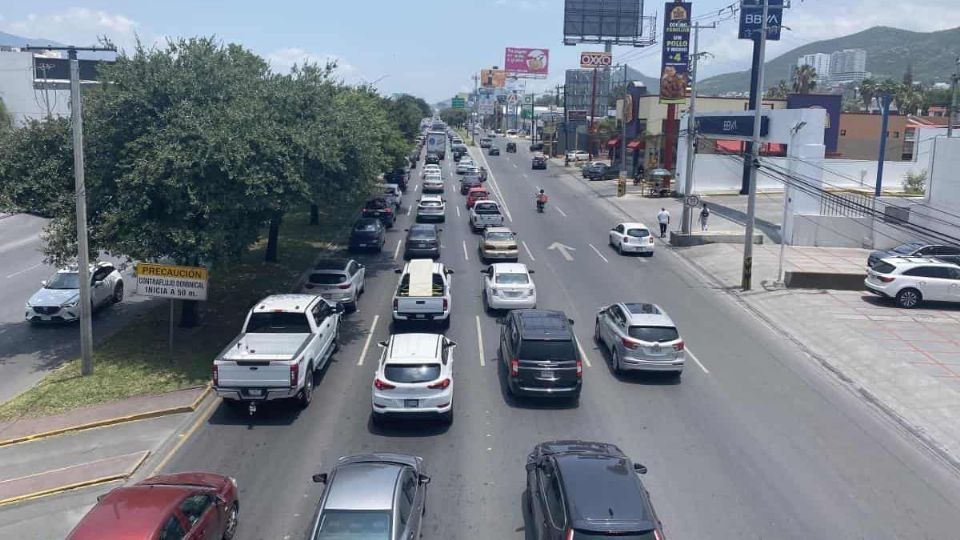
x,y
414,378
509,286
631,238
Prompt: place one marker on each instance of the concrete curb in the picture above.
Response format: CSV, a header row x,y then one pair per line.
x,y
111,421
77,485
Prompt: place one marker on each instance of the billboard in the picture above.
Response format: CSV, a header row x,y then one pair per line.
x,y
493,78
578,90
596,21
832,103
59,69
527,62
675,61
596,59
751,19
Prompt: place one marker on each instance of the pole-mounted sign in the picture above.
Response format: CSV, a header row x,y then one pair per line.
x,y
596,59
751,18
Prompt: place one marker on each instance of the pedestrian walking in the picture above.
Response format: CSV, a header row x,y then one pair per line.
x,y
704,216
664,219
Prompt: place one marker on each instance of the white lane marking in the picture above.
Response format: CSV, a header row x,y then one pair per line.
x,y
564,214
465,256
409,208
366,344
496,188
691,355
528,250
515,166
458,210
583,354
25,270
483,360
597,251
525,175
417,187
396,252
563,249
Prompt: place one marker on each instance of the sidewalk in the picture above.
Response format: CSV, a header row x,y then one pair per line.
x,y
905,362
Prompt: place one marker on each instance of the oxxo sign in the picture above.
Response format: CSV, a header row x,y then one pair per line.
x,y
595,59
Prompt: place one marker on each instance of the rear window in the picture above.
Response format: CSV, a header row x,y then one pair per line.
x,y
548,350
327,278
365,227
422,234
411,373
654,333
638,233
354,525
580,535
430,203
278,323
884,267
512,279
499,236
487,209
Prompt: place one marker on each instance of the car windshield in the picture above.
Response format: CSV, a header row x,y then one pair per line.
x,y
584,535
500,236
654,333
906,249
327,278
354,525
411,373
512,279
548,350
278,323
64,280
638,233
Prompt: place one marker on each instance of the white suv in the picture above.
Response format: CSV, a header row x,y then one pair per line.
x,y
414,378
431,208
911,280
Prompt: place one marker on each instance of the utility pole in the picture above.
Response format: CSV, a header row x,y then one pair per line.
x,y
885,100
687,217
80,192
476,105
746,280
623,120
593,108
952,116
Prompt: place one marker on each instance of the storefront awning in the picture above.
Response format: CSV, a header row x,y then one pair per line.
x,y
729,147
636,144
613,141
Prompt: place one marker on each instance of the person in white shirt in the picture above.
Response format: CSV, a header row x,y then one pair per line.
x,y
664,219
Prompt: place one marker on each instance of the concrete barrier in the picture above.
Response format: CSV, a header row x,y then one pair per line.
x,y
700,238
840,281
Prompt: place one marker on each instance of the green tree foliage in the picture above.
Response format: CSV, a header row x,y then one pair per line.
x,y
779,91
454,117
407,111
804,79
915,183
6,120
36,168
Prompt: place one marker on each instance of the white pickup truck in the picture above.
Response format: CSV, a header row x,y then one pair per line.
x,y
485,213
286,339
423,293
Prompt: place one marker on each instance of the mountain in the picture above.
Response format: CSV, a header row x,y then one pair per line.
x,y
889,50
652,83
11,40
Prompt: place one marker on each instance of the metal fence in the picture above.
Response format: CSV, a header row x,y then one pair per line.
x,y
846,204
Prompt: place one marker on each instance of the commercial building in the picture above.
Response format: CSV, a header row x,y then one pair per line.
x,y
848,66
860,135
820,62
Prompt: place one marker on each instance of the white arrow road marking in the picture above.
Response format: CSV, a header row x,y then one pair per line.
x,y
597,251
366,344
564,250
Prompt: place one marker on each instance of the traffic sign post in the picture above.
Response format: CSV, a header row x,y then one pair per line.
x,y
458,103
173,282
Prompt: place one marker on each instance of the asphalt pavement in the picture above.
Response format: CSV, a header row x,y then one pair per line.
x,y
755,441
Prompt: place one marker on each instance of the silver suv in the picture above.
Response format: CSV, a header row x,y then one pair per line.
x,y
640,337
372,496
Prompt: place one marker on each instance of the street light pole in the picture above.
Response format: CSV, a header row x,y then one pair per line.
x,y
746,279
952,116
476,114
885,100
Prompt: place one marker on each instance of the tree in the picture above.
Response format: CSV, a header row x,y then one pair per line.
x,y
804,79
908,98
6,119
868,91
454,117
36,167
407,111
779,91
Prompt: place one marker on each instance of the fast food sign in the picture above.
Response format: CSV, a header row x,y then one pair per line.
x,y
527,62
596,60
675,62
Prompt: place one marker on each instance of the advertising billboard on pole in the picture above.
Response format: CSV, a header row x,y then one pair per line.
x,y
675,62
599,21
493,78
523,62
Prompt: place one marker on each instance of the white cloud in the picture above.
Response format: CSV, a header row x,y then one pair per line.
x,y
78,26
282,60
526,5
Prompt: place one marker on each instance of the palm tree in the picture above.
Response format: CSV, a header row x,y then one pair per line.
x,y
779,91
868,91
804,79
908,99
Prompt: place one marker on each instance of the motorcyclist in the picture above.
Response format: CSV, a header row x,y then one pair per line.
x,y
541,199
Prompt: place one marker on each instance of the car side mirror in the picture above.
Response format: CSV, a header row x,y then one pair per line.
x,y
570,321
424,479
43,283
338,308
320,478
531,466
450,345
531,271
406,230
449,271
640,469
382,344
397,271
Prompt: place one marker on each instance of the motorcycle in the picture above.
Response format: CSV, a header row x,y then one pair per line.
x,y
540,205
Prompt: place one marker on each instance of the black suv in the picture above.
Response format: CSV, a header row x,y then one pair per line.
x,y
539,162
580,490
540,354
600,171
368,233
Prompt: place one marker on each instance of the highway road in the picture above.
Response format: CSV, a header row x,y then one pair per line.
x,y
757,441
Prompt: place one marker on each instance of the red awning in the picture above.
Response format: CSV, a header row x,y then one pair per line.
x,y
636,144
613,141
728,147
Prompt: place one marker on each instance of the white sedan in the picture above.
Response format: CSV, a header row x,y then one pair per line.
x,y
464,165
577,155
509,286
414,378
632,238
58,299
430,169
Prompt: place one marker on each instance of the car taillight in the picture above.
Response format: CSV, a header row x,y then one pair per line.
x,y
442,385
514,367
626,240
885,279
446,304
344,285
216,375
294,374
382,385
396,304
629,343
569,535
579,368
679,346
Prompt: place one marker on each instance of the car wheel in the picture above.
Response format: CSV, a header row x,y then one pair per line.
x,y
447,417
377,419
351,307
908,298
620,248
306,395
596,333
118,293
615,360
233,518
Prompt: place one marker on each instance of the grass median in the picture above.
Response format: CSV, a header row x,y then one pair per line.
x,y
135,361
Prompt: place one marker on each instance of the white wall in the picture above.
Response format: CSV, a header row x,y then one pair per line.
x,y
832,231
18,94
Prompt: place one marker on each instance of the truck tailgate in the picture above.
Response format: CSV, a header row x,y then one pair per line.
x,y
250,373
419,305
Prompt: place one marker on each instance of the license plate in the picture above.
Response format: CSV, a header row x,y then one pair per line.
x,y
547,374
411,403
255,392
419,316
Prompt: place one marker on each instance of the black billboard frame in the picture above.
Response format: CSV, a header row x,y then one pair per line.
x,y
575,14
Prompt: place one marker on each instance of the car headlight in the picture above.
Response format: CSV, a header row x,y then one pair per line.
x,y
71,303
494,292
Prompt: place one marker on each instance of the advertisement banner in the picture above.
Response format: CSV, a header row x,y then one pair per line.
x,y
596,59
675,62
493,78
526,62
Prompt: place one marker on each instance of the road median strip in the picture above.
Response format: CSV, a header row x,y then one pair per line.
x,y
63,479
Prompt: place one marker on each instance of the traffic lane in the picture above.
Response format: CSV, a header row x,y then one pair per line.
x,y
50,518
762,384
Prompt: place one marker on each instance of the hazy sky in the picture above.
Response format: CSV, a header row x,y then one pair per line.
x,y
431,48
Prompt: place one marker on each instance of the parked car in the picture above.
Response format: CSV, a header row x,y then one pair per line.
x,y
631,237
469,182
423,241
640,337
511,148
194,505
485,213
909,281
540,355
368,233
285,341
582,490
539,162
392,193
59,296
602,171
380,208
423,293
475,194
509,286
949,254
367,496
587,167
494,151
414,378
397,176
498,243
574,156
340,281
431,208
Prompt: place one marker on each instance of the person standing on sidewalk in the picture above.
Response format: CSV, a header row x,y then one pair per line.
x,y
664,219
704,216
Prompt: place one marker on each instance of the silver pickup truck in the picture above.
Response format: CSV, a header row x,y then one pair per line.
x,y
485,213
286,339
423,293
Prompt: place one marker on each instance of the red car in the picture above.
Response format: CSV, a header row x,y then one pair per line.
x,y
189,506
476,194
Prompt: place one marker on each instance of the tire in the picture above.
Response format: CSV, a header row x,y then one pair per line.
x,y
447,417
620,248
908,298
336,339
615,361
351,307
596,333
377,419
118,293
306,395
233,518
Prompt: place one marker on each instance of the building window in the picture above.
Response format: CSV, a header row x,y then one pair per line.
x,y
896,134
843,133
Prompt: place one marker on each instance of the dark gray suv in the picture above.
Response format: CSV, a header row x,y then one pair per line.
x,y
371,496
540,355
